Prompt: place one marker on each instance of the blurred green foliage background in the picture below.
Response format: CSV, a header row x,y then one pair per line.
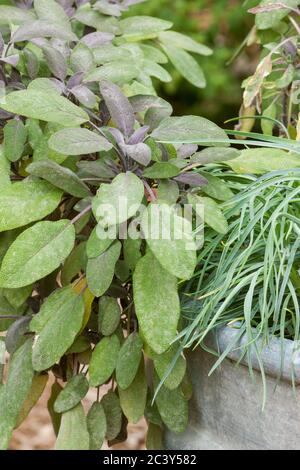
x,y
223,26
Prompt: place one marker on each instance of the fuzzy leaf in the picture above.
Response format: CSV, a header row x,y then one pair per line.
x,y
162,364
10,14
75,390
73,433
56,325
119,107
170,238
109,315
139,28
74,141
161,170
133,399
96,246
15,135
103,361
261,161
182,41
24,202
186,65
119,72
100,270
38,385
46,106
173,408
42,29
128,361
211,211
113,413
37,252
96,423
157,303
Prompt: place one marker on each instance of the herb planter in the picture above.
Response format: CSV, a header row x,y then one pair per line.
x,y
226,409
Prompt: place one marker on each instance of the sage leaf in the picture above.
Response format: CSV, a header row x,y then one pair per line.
x,y
38,385
189,129
161,170
128,361
100,270
95,245
170,238
269,19
163,364
96,424
154,440
156,302
82,58
74,264
73,433
181,41
186,65
75,390
118,201
119,107
261,161
15,334
140,152
216,187
56,325
103,361
139,28
15,15
15,391
60,177
17,297
53,12
119,72
24,202
4,169
56,62
46,106
113,414
210,210
133,399
37,252
173,408
74,141
42,29
168,192
15,135
55,417
132,252
215,154
109,315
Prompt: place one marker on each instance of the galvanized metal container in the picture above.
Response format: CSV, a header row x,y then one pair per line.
x,y
226,409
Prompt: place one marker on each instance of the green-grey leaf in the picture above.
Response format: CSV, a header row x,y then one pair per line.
x,y
82,58
163,363
118,201
186,65
37,252
113,413
24,202
15,391
261,161
182,41
156,302
168,192
73,433
215,154
59,176
42,29
50,107
52,11
216,187
132,252
173,408
213,216
269,19
9,14
15,135
118,72
133,399
96,423
75,263
56,325
128,361
170,238
75,390
109,315
100,270
77,141
38,385
139,28
161,170
104,359
154,439
4,169
96,245
189,129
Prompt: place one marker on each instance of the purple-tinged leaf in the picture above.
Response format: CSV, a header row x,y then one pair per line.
x,y
40,42
97,39
75,80
186,150
11,60
141,103
193,179
139,135
41,28
85,96
117,135
56,62
119,107
128,3
32,63
107,8
141,153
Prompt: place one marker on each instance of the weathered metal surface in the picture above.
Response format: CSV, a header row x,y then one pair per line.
x,y
226,409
